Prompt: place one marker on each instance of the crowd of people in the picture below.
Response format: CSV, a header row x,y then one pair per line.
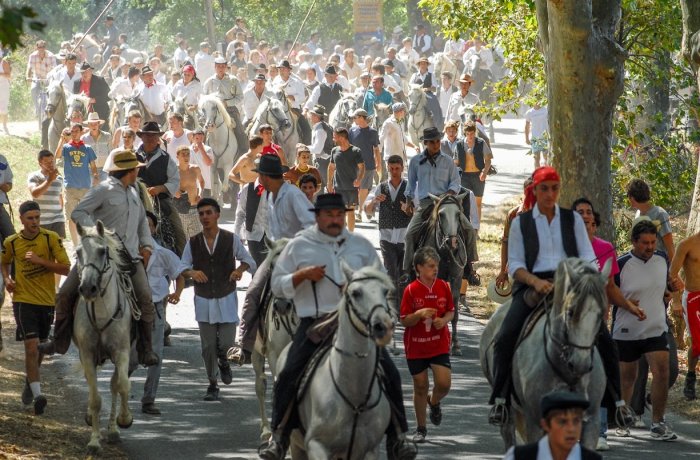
x,y
153,189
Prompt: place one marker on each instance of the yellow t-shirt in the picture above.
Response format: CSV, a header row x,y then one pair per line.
x,y
34,283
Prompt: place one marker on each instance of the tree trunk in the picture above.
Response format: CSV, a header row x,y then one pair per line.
x,y
211,31
655,98
691,52
585,71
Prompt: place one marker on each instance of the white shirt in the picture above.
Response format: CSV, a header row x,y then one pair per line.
x,y
179,57
163,262
484,53
444,96
196,158
204,65
539,122
551,245
121,88
392,139
459,105
292,87
67,81
289,212
312,247
154,97
352,72
318,140
173,143
544,453
260,222
251,102
224,309
191,91
392,235
453,48
409,57
228,88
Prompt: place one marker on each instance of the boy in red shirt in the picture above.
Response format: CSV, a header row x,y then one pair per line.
x,y
426,308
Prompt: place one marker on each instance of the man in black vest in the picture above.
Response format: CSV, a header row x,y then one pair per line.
x,y
210,260
161,177
328,93
321,141
393,221
539,239
251,219
562,420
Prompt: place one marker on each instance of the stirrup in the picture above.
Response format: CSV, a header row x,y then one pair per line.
x,y
499,414
624,416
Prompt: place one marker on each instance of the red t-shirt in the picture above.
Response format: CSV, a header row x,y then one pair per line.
x,y
85,87
272,149
423,340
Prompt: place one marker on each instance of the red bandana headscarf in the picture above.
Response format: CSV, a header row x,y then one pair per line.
x,y
541,174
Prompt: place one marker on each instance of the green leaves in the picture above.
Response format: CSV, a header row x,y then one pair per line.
x,y
12,23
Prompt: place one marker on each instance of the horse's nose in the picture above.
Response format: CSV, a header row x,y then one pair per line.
x,y
379,330
88,292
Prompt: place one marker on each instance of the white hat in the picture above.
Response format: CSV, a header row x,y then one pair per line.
x,y
318,52
499,295
94,117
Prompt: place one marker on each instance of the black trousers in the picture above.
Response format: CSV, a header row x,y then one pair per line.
x,y
392,254
258,250
299,355
611,364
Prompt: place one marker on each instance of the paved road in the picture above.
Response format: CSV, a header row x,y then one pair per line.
x,y
193,429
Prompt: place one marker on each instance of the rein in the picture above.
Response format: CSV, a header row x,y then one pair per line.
x,y
458,257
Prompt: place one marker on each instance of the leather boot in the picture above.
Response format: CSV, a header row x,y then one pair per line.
x,y
689,389
62,335
150,358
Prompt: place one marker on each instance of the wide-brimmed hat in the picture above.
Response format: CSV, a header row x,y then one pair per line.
x,y
318,110
284,63
138,60
94,117
146,69
499,295
220,60
329,201
360,113
85,66
465,78
150,127
270,165
330,69
424,59
430,134
124,160
260,77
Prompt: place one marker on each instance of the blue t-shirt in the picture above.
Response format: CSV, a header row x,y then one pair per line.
x,y
365,139
76,166
371,99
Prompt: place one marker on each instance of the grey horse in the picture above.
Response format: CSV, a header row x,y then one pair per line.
x,y
558,353
274,112
57,111
341,115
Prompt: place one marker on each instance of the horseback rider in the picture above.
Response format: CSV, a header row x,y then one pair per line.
x,y
154,96
229,90
116,203
425,80
539,239
309,271
431,173
293,89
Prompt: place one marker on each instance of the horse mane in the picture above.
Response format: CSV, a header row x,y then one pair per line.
x,y
219,105
274,249
80,98
371,271
54,84
114,245
584,279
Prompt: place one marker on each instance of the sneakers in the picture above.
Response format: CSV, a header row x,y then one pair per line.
x,y
499,414
435,413
27,396
225,370
39,404
602,444
420,434
212,393
661,432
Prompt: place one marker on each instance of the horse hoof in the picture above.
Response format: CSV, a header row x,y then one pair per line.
x,y
88,420
113,437
456,350
125,425
94,449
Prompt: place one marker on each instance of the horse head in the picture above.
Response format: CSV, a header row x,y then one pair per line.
x,y
579,305
78,103
94,254
277,115
274,249
56,98
446,217
212,109
415,97
366,302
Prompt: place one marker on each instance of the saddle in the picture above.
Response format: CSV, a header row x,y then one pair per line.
x,y
321,333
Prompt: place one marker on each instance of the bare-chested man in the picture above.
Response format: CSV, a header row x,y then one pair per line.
x,y
687,257
186,198
242,172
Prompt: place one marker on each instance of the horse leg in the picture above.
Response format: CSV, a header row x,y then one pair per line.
x,y
258,361
591,429
94,401
316,451
112,430
455,285
296,447
123,386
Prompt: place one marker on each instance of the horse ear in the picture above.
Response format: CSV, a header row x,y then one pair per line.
x,y
349,272
607,268
81,230
434,197
462,196
268,242
100,227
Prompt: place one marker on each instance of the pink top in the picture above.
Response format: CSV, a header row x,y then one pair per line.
x,y
603,251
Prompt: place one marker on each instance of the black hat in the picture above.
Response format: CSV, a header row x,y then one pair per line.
x,y
260,77
388,62
285,63
319,110
329,201
150,127
270,165
85,66
330,69
146,69
430,134
562,400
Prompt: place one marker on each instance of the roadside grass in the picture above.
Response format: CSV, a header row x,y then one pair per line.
x,y
21,153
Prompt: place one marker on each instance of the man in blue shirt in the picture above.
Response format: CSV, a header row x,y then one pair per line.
x,y
78,164
431,173
365,138
376,95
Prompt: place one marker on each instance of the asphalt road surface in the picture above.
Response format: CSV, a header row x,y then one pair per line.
x,y
190,428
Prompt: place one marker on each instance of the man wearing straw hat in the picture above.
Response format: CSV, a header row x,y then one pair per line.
x,y
114,201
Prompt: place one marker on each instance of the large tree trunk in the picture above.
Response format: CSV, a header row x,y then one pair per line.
x,y
691,52
211,31
655,98
585,71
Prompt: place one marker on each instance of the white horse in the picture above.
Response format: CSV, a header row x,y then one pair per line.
x,y
102,326
274,334
559,352
344,410
341,115
272,111
57,111
443,63
222,140
419,117
78,103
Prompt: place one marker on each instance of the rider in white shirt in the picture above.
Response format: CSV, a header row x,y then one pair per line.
x,y
462,102
153,95
124,87
189,87
484,53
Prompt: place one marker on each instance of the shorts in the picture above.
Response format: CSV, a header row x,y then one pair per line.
x,y
367,179
632,350
33,321
684,302
416,366
58,227
349,196
471,181
539,144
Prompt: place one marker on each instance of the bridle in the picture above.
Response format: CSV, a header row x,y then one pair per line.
x,y
442,239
